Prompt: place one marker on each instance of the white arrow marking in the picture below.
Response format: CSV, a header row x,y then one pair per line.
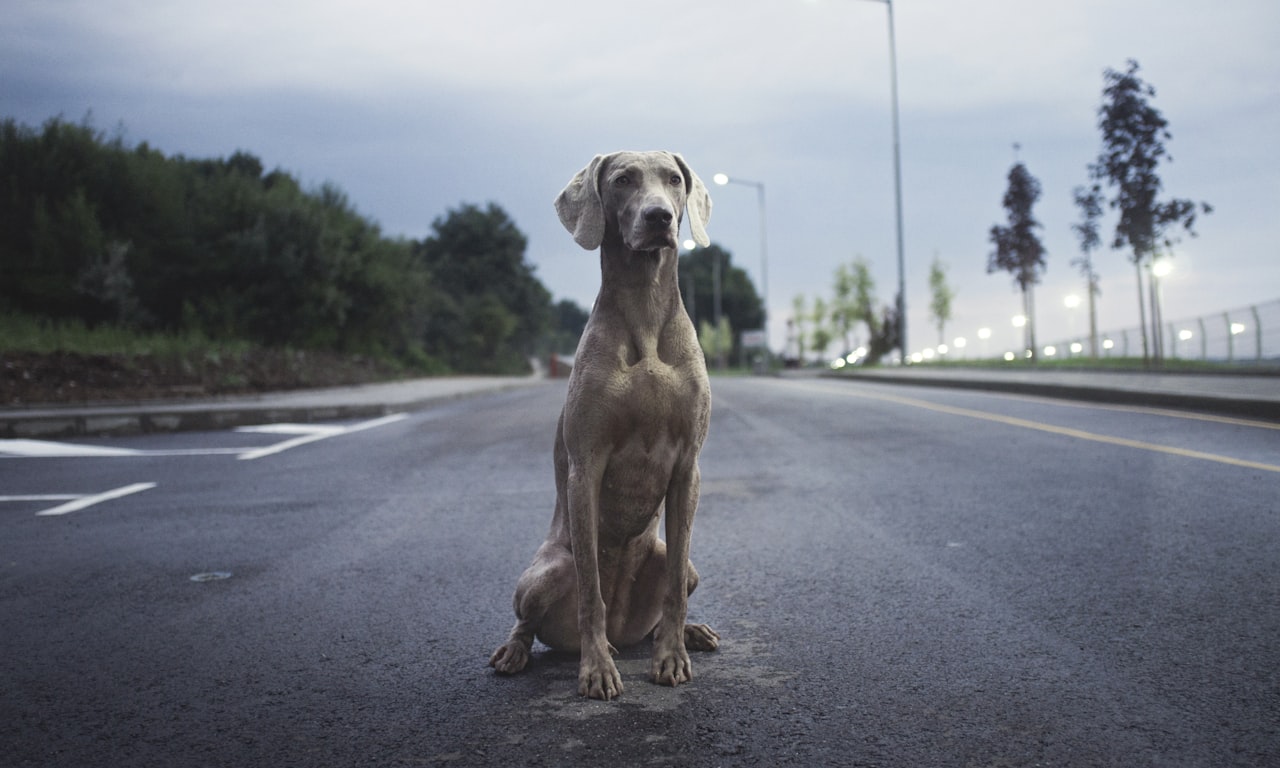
x,y
84,502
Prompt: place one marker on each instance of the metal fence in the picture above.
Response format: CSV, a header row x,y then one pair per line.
x,y
1247,335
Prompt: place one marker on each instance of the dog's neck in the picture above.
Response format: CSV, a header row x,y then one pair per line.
x,y
642,288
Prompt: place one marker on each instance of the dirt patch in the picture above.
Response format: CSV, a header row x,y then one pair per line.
x,y
28,378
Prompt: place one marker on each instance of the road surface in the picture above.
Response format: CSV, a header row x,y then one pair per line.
x,y
901,577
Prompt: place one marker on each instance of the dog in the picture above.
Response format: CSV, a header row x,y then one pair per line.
x,y
627,443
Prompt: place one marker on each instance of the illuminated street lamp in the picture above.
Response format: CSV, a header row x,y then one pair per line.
x,y
723,179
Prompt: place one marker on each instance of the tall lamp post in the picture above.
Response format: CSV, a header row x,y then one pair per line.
x,y
723,179
897,185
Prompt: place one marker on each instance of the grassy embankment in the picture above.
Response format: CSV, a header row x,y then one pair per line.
x,y
66,361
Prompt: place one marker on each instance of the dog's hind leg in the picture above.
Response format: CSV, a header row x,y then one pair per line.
x,y
546,606
699,637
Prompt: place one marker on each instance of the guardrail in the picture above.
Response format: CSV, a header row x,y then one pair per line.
x,y
1247,335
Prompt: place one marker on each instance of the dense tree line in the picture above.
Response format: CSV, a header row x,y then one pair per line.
x,y
104,233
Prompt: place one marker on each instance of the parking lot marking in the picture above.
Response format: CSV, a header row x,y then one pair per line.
x,y
48,450
303,434
310,433
77,503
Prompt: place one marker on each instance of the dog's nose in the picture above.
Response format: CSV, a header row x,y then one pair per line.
x,y
657,215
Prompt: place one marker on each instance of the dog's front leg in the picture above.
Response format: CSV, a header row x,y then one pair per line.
x,y
671,665
598,677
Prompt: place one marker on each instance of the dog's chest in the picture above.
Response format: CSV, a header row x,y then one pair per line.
x,y
658,418
663,402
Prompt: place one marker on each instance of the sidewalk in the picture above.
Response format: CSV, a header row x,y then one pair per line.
x,y
1250,395
369,400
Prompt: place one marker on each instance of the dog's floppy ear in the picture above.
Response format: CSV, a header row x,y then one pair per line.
x,y
579,205
697,200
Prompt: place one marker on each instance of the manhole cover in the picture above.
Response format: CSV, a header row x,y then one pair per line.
x,y
212,576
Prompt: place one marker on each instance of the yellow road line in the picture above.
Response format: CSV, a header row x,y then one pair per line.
x,y
1150,411
1065,431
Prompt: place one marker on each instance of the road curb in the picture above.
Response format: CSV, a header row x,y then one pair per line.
x,y
115,420
1225,405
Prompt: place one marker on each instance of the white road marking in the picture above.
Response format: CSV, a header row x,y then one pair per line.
x,y
77,503
303,434
43,449
314,433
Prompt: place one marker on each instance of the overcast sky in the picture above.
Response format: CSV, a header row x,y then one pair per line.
x,y
414,108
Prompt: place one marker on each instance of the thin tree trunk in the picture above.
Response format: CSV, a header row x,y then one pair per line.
x,y
1157,318
1142,316
1093,316
1031,322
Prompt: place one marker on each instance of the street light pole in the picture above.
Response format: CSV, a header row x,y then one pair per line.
x,y
722,179
897,185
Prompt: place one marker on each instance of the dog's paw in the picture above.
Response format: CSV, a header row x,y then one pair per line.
x,y
671,667
700,637
598,678
510,658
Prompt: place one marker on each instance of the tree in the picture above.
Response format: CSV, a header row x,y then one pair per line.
x,y
568,320
941,295
854,302
855,298
798,327
715,339
739,302
1090,204
1133,136
1018,248
842,316
821,336
492,310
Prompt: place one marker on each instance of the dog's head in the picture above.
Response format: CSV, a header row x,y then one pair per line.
x,y
638,198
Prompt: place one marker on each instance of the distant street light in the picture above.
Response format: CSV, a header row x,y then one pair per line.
x,y
723,179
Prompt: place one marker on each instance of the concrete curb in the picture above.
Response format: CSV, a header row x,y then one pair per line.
x,y
1225,404
168,416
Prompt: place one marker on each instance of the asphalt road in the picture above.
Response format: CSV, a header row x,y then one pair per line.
x,y
901,577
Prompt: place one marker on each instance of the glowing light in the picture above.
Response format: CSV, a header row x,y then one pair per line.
x,y
1076,347
720,179
984,333
960,342
1185,335
1237,329
1019,321
1050,351
1009,356
1071,301
1108,344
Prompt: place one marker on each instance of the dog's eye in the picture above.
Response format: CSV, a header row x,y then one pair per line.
x,y
622,180
675,179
